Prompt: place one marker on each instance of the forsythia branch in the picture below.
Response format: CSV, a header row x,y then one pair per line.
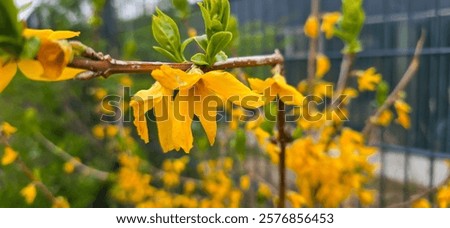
x,y
416,197
84,169
313,47
98,64
393,96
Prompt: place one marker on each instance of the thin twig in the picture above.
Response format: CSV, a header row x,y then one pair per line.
x,y
393,96
282,140
313,47
84,169
416,197
346,65
108,66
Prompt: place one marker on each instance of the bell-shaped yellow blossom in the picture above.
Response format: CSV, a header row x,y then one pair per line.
x,y
160,100
328,22
368,80
311,27
52,58
9,156
274,86
29,193
323,65
7,129
421,203
60,202
403,110
385,118
199,94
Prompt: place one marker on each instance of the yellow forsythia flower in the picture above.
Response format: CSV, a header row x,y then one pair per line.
x,y
322,65
443,197
403,110
29,193
100,93
69,166
311,27
7,129
111,130
276,85
296,199
126,81
368,80
421,203
175,116
385,118
98,131
245,182
328,22
192,32
189,186
60,202
52,58
264,190
366,197
9,156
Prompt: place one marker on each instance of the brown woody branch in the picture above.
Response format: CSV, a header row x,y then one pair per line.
x,y
84,169
313,47
393,96
98,65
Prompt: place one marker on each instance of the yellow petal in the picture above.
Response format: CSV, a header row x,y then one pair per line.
x,y
53,59
205,110
227,86
9,156
143,101
39,33
60,202
7,129
311,27
62,35
287,93
32,69
259,85
140,121
29,193
164,117
7,73
69,73
322,65
174,78
183,115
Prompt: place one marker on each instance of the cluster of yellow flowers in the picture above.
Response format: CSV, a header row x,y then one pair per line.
x,y
214,188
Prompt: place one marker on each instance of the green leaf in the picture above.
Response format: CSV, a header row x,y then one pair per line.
x,y
199,59
166,53
186,43
221,56
202,41
31,48
10,29
349,27
182,7
166,33
298,133
218,42
382,93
